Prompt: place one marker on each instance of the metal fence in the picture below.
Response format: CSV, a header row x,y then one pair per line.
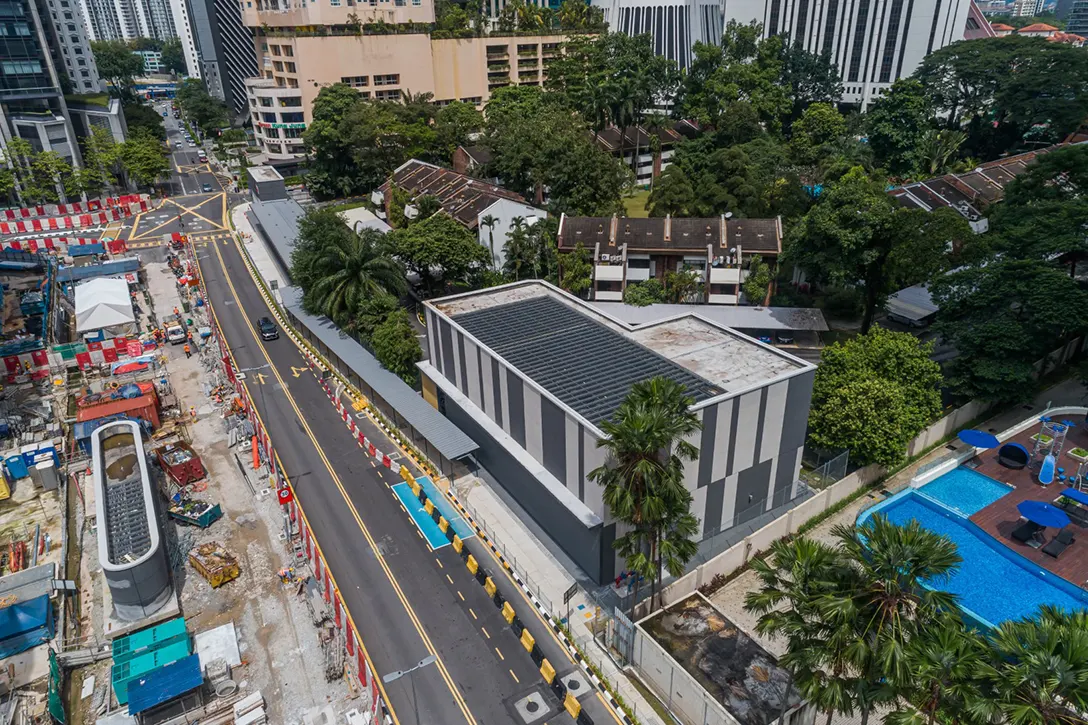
x,y
821,473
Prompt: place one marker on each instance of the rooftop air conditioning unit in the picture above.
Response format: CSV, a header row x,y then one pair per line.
x,y
604,257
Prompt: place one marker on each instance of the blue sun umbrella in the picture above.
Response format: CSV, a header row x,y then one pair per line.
x,y
1043,514
979,439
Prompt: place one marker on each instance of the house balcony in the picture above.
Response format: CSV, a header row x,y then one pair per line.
x,y
722,299
608,273
608,296
727,275
637,274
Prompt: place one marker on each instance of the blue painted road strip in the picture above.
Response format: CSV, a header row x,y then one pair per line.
x,y
434,536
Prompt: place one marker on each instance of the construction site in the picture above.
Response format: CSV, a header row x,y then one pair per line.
x,y
151,569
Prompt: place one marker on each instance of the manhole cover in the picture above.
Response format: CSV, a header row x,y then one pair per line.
x,y
531,708
576,684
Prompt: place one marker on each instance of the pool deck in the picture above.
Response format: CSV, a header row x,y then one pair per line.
x,y
1000,518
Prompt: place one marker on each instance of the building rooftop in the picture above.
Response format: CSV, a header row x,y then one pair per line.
x,y
731,666
609,139
264,173
462,197
671,235
736,317
588,360
1037,28
277,220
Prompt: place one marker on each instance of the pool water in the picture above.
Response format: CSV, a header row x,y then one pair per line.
x,y
993,582
965,490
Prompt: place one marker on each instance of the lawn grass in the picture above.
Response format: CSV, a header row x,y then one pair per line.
x,y
635,204
651,698
347,206
90,99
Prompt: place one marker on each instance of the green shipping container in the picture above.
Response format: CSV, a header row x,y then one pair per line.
x,y
140,665
149,640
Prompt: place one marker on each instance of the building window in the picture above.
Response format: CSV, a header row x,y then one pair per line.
x,y
391,79
474,100
292,102
289,67
71,28
277,66
266,102
292,117
289,51
81,61
355,81
393,95
271,133
12,67
275,50
292,82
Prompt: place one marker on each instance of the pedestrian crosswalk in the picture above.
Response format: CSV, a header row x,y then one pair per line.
x,y
202,240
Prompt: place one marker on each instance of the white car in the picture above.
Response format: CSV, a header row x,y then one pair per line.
x,y
192,143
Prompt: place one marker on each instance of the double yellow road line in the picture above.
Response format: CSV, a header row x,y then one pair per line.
x,y
354,512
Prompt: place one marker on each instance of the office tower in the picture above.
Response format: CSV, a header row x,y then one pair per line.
x,y
674,25
1027,8
67,40
128,19
183,25
31,98
872,42
226,48
1078,18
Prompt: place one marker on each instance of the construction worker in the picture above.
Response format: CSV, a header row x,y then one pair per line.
x,y
188,350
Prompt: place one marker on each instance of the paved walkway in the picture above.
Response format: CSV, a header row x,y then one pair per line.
x,y
730,598
258,250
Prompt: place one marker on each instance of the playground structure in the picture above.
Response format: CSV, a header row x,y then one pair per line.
x,y
1047,449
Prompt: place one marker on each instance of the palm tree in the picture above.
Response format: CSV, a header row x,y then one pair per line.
x,y
351,267
944,668
655,123
643,477
1037,673
937,148
489,221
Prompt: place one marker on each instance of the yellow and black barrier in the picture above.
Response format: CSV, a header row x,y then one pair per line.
x,y
443,525
490,588
470,562
458,545
508,613
547,671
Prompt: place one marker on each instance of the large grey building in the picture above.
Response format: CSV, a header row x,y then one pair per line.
x,y
227,53
530,373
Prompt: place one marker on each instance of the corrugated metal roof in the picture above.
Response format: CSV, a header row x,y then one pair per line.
x,y
164,684
735,317
447,438
278,222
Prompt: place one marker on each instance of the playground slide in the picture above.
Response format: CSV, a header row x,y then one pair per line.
x,y
1046,473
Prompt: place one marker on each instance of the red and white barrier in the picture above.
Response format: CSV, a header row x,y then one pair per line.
x,y
76,221
47,210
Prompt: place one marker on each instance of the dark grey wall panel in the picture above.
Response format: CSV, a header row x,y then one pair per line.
x,y
446,335
760,420
715,498
553,431
798,400
590,548
432,340
463,367
516,423
706,446
734,416
752,484
784,475
496,371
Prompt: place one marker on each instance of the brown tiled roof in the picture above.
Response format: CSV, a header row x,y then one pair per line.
x,y
1037,28
609,139
461,196
671,235
970,192
1001,26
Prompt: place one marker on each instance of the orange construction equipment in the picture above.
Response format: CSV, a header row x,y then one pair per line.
x,y
256,455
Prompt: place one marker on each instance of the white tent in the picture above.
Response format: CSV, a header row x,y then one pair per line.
x,y
104,304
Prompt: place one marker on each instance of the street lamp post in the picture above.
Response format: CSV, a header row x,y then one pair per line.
x,y
394,676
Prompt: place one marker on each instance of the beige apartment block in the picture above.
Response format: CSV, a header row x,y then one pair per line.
x,y
303,47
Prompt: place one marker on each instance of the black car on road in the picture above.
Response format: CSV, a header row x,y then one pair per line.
x,y
267,328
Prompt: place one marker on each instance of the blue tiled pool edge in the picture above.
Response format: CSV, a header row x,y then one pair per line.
x,y
1069,588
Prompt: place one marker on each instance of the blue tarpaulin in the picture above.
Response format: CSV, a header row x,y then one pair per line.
x,y
979,439
25,625
83,250
164,684
1078,496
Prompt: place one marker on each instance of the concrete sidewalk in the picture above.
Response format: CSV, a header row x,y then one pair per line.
x,y
258,251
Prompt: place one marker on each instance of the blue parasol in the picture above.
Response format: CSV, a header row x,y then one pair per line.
x,y
1043,514
979,439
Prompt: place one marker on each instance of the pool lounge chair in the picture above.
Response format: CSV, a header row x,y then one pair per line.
x,y
1026,532
1060,543
1013,455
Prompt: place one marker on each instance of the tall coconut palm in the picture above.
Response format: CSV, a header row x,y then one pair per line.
x,y
351,267
643,476
489,221
1037,673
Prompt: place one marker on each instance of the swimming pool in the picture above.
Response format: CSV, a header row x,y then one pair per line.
x,y
994,583
965,490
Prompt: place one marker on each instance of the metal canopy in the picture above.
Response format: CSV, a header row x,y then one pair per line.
x,y
583,363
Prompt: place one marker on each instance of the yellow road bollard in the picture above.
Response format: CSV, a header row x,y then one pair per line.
x,y
457,544
405,473
572,706
471,564
443,524
429,507
547,671
507,612
490,588
527,640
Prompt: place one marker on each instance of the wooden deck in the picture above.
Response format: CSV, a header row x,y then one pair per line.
x,y
1000,518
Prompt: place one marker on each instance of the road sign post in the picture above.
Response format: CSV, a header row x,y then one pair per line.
x,y
567,596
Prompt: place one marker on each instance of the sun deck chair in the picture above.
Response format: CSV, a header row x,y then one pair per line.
x,y
1026,531
1060,543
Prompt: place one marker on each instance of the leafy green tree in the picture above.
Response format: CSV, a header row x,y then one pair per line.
x,y
489,221
857,232
144,158
7,184
332,172
809,77
816,133
576,269
353,267
454,123
642,294
673,194
49,170
937,150
647,446
173,59
1002,317
396,346
682,287
117,64
439,249
998,110
896,123
873,394
1037,672
1044,214
101,160
373,311
141,117
758,282
207,112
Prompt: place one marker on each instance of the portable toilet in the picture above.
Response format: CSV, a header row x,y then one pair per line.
x,y
28,452
47,474
16,466
51,448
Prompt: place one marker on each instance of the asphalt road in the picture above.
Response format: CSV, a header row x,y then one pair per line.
x,y
406,600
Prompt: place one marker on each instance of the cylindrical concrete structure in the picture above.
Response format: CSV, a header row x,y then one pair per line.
x,y
129,532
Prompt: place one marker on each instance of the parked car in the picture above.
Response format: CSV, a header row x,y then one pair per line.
x,y
206,187
784,338
267,328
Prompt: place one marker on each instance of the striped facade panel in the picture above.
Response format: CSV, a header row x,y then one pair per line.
x,y
533,442
471,354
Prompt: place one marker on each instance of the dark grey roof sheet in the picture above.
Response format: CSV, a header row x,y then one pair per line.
x,y
585,364
446,437
735,317
278,222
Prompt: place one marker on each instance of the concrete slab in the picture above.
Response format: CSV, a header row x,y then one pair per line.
x,y
216,643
